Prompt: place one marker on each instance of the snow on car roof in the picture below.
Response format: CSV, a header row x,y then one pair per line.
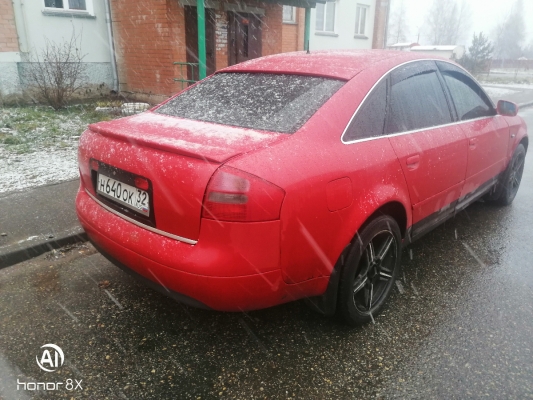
x,y
339,64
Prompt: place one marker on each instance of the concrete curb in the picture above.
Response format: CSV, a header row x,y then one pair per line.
x,y
525,105
12,257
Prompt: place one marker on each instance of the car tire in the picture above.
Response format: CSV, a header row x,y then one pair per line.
x,y
370,271
510,180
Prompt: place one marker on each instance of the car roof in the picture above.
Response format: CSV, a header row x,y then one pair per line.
x,y
339,64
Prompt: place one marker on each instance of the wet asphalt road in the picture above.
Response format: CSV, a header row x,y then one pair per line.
x,y
460,325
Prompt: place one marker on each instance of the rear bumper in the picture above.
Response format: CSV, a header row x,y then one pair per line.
x,y
233,267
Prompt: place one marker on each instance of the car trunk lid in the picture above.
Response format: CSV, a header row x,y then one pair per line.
x,y
177,156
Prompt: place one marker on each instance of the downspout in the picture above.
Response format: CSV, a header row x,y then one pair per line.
x,y
307,31
111,45
202,70
25,24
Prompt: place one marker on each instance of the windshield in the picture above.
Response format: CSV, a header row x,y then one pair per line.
x,y
279,103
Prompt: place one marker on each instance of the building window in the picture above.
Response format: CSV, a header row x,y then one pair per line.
x,y
289,14
325,16
78,5
360,19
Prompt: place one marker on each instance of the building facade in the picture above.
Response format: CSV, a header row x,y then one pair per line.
x,y
27,26
157,42
339,24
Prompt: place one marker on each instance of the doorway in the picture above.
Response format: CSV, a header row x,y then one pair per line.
x,y
244,37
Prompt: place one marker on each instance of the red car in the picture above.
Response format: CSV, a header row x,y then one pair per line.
x,y
296,176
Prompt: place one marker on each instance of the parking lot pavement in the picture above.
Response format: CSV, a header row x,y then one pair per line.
x,y
37,220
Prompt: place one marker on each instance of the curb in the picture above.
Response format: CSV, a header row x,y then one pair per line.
x,y
525,105
23,254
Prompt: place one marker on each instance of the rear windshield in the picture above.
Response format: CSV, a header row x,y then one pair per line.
x,y
278,103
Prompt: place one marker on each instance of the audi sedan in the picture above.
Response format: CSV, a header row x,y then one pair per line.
x,y
296,176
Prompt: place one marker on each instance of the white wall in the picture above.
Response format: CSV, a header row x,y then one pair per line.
x,y
35,27
343,37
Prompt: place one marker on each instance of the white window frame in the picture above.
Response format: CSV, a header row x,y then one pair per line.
x,y
51,10
323,30
358,31
293,15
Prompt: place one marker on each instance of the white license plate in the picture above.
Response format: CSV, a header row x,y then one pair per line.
x,y
130,196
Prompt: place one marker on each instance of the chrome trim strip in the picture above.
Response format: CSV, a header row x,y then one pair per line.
x,y
141,225
416,130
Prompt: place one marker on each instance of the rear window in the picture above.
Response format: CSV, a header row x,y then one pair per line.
x,y
278,103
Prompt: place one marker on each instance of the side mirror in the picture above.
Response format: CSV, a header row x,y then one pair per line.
x,y
507,108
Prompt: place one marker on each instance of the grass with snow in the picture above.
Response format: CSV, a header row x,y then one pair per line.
x,y
38,145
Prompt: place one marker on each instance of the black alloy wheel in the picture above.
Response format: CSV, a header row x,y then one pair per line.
x,y
512,177
370,271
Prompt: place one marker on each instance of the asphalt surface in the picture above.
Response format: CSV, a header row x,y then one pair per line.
x,y
459,325
38,220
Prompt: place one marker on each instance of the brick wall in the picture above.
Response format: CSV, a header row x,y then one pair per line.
x,y
150,36
8,30
272,28
292,35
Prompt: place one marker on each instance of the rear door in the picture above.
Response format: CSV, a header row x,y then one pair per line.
x,y
487,133
431,150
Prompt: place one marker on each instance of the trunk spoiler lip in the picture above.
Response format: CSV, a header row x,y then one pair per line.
x,y
178,144
162,146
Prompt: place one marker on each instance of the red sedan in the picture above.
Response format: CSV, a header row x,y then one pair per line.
x,y
296,176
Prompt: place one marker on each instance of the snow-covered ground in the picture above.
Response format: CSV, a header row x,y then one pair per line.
x,y
21,171
39,146
499,92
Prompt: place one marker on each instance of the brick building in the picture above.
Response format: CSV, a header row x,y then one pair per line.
x,y
8,29
151,36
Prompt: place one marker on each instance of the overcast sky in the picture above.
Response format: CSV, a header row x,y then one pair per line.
x,y
486,14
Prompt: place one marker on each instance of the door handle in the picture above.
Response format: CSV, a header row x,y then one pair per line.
x,y
413,162
472,143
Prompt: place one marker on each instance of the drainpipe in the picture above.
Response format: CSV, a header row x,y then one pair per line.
x,y
25,24
202,70
307,31
111,45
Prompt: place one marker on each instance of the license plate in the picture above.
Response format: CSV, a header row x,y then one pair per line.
x,y
130,196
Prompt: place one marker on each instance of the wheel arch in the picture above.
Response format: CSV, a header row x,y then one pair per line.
x,y
524,142
396,210
327,303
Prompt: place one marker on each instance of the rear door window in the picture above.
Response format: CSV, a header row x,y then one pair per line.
x,y
271,102
417,99
369,120
469,99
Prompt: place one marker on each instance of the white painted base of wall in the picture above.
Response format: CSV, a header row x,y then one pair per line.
x,y
98,79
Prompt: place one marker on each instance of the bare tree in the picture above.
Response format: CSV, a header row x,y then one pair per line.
x,y
398,29
510,34
57,71
448,21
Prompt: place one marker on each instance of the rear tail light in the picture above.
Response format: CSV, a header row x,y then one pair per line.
x,y
141,183
234,195
94,164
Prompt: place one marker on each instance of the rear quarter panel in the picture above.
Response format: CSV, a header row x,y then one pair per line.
x,y
312,235
518,128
